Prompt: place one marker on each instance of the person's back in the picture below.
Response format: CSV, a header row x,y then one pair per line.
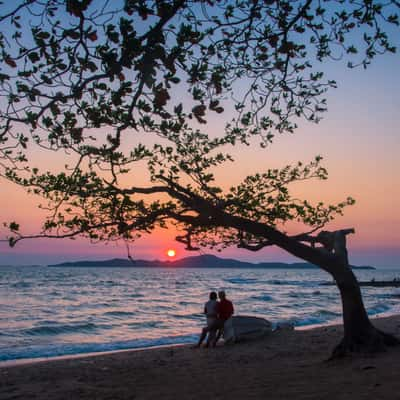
x,y
211,311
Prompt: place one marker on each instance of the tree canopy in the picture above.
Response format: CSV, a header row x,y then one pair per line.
x,y
125,88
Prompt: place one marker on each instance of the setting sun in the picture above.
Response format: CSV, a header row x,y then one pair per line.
x,y
171,253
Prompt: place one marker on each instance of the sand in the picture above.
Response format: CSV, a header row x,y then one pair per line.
x,y
284,365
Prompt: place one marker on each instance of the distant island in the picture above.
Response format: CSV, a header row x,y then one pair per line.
x,y
203,261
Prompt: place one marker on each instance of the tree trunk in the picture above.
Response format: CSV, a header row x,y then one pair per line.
x,y
359,333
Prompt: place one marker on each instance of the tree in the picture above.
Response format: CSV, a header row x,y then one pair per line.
x,y
124,88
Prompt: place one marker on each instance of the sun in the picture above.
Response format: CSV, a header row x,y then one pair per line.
x,y
171,253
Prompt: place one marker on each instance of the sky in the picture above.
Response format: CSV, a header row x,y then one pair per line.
x,y
359,140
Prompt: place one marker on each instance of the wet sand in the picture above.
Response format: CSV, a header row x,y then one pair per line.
x,y
284,365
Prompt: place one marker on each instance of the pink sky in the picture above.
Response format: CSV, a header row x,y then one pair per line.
x,y
359,141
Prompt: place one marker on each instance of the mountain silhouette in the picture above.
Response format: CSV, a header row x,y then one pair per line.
x,y
203,261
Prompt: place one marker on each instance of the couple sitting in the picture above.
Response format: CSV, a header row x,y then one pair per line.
x,y
217,312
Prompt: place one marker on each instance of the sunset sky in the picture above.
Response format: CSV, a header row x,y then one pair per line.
x,y
359,140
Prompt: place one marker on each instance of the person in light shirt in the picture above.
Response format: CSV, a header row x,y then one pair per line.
x,y
211,312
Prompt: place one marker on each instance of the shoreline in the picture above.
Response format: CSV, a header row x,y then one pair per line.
x,y
66,357
284,364
33,360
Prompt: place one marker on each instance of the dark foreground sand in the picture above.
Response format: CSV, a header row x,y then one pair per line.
x,y
285,365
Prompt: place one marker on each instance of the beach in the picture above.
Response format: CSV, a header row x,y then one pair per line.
x,y
283,365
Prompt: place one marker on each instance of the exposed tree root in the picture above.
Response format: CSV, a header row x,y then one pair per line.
x,y
371,341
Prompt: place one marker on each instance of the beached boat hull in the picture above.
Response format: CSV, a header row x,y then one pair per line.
x,y
240,328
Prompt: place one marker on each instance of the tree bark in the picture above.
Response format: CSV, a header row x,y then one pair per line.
x,y
359,334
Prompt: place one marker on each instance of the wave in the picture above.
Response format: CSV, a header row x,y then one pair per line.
x,y
186,303
119,313
102,305
59,329
304,294
296,294
21,285
241,281
164,307
110,283
263,297
290,282
319,317
192,316
378,309
387,295
37,351
144,325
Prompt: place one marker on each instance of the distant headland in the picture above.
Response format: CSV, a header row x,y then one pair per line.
x,y
203,261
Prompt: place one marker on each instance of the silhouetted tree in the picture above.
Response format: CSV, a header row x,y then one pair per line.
x,y
123,89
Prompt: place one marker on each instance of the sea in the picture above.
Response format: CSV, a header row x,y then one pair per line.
x,y
49,312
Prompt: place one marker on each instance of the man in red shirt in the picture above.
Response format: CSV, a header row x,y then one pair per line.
x,y
225,307
225,311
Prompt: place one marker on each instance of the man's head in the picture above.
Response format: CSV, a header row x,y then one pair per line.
x,y
213,296
221,295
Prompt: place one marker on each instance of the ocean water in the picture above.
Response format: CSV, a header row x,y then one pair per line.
x,y
47,312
